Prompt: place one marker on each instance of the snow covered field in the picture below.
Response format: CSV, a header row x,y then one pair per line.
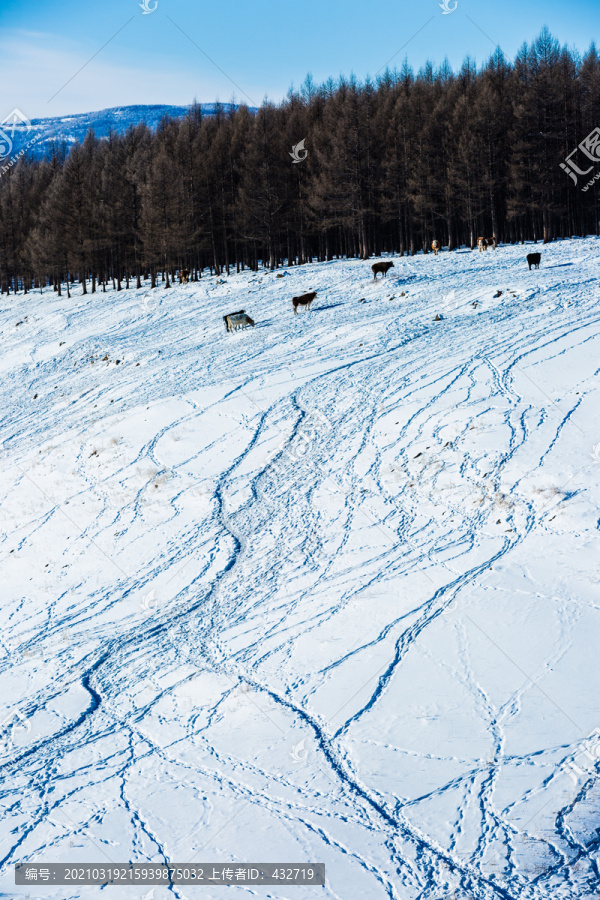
x,y
323,590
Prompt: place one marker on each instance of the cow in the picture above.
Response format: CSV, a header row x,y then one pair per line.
x,y
534,259
236,320
228,319
184,276
435,246
303,300
492,242
482,244
381,267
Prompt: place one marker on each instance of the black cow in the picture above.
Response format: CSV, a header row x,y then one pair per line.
x,y
534,259
381,267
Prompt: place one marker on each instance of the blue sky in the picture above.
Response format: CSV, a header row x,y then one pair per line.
x,y
262,47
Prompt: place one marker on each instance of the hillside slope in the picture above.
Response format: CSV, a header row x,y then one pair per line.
x,y
326,589
37,135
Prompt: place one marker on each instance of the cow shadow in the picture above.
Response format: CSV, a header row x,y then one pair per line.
x,y
269,323
323,308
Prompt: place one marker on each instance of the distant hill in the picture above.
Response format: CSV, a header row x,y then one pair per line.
x,y
74,128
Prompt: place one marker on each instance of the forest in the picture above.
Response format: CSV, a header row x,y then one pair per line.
x,y
391,164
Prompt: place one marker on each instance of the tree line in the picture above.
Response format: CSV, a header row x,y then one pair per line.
x,y
389,166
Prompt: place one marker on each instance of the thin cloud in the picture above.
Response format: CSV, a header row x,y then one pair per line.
x,y
40,63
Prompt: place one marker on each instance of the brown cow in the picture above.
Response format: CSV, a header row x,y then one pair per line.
x,y
303,300
482,244
435,246
184,276
492,242
381,267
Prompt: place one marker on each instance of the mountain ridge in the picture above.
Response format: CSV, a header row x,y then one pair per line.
x,y
35,136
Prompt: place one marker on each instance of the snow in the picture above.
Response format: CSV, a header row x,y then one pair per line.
x,y
323,590
37,135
